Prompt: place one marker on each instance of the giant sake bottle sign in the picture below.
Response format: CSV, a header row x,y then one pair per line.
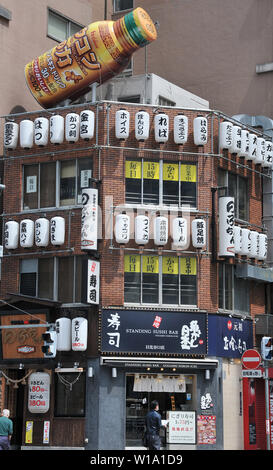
x,y
95,54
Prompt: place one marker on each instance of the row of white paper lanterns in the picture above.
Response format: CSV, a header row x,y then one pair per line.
x,y
245,144
40,231
250,243
75,126
53,130
71,334
180,234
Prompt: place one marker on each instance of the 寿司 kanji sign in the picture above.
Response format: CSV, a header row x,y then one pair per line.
x,y
251,359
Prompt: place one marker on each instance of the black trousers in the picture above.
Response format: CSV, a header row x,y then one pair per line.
x,y
154,442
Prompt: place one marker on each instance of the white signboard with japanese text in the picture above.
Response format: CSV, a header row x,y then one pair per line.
x,y
38,392
89,231
182,427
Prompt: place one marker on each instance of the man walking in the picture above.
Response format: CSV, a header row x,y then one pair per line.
x,y
153,424
6,429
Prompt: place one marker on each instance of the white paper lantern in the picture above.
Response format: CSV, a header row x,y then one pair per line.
x,y
244,152
79,329
161,127
63,330
245,250
267,163
236,140
225,135
226,226
198,228
161,230
41,232
141,229
237,239
142,125
57,230
87,124
11,133
254,236
56,129
260,151
41,131
252,146
122,228
180,232
72,127
262,243
26,233
180,129
122,124
26,133
11,235
200,130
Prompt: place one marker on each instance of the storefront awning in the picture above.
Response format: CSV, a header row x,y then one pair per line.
x,y
159,363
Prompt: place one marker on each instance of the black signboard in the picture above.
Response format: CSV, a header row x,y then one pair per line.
x,y
153,332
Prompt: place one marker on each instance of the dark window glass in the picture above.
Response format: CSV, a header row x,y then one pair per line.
x,y
65,279
31,184
28,284
48,185
45,278
70,399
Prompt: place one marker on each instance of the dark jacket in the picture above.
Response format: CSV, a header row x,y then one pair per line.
x,y
153,422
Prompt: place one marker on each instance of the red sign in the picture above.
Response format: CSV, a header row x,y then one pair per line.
x,y
251,359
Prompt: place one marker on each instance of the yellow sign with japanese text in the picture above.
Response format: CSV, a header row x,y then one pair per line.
x,y
150,264
132,263
133,169
188,266
188,173
151,170
170,171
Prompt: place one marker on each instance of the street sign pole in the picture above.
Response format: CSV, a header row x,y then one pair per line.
x,y
267,417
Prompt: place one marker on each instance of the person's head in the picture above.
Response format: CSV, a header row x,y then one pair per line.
x,y
154,405
6,413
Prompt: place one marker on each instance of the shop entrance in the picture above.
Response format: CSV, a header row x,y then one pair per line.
x,y
173,393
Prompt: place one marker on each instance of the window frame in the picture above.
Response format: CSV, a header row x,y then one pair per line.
x,y
55,277
227,175
160,284
117,10
222,278
69,22
181,205
58,163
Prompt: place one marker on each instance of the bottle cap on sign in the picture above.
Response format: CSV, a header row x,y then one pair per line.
x,y
140,27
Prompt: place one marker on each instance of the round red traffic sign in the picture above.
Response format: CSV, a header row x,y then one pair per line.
x,y
251,359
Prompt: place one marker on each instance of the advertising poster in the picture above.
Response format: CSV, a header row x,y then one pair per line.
x,y
153,332
206,429
38,392
182,427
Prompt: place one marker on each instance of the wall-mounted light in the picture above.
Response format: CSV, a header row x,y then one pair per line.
x,y
207,374
114,372
90,372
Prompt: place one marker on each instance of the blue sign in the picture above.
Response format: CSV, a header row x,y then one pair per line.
x,y
229,337
156,332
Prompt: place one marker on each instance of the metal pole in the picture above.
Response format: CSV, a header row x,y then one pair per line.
x,y
267,417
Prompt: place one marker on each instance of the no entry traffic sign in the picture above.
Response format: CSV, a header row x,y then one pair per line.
x,y
251,359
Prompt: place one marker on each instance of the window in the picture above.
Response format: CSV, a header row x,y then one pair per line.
x,y
70,399
237,188
233,292
154,182
60,279
165,101
60,28
120,5
55,184
162,280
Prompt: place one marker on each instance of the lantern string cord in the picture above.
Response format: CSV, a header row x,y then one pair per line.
x,y
27,313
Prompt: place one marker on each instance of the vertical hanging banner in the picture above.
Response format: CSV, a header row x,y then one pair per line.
x,y
89,233
226,226
93,282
